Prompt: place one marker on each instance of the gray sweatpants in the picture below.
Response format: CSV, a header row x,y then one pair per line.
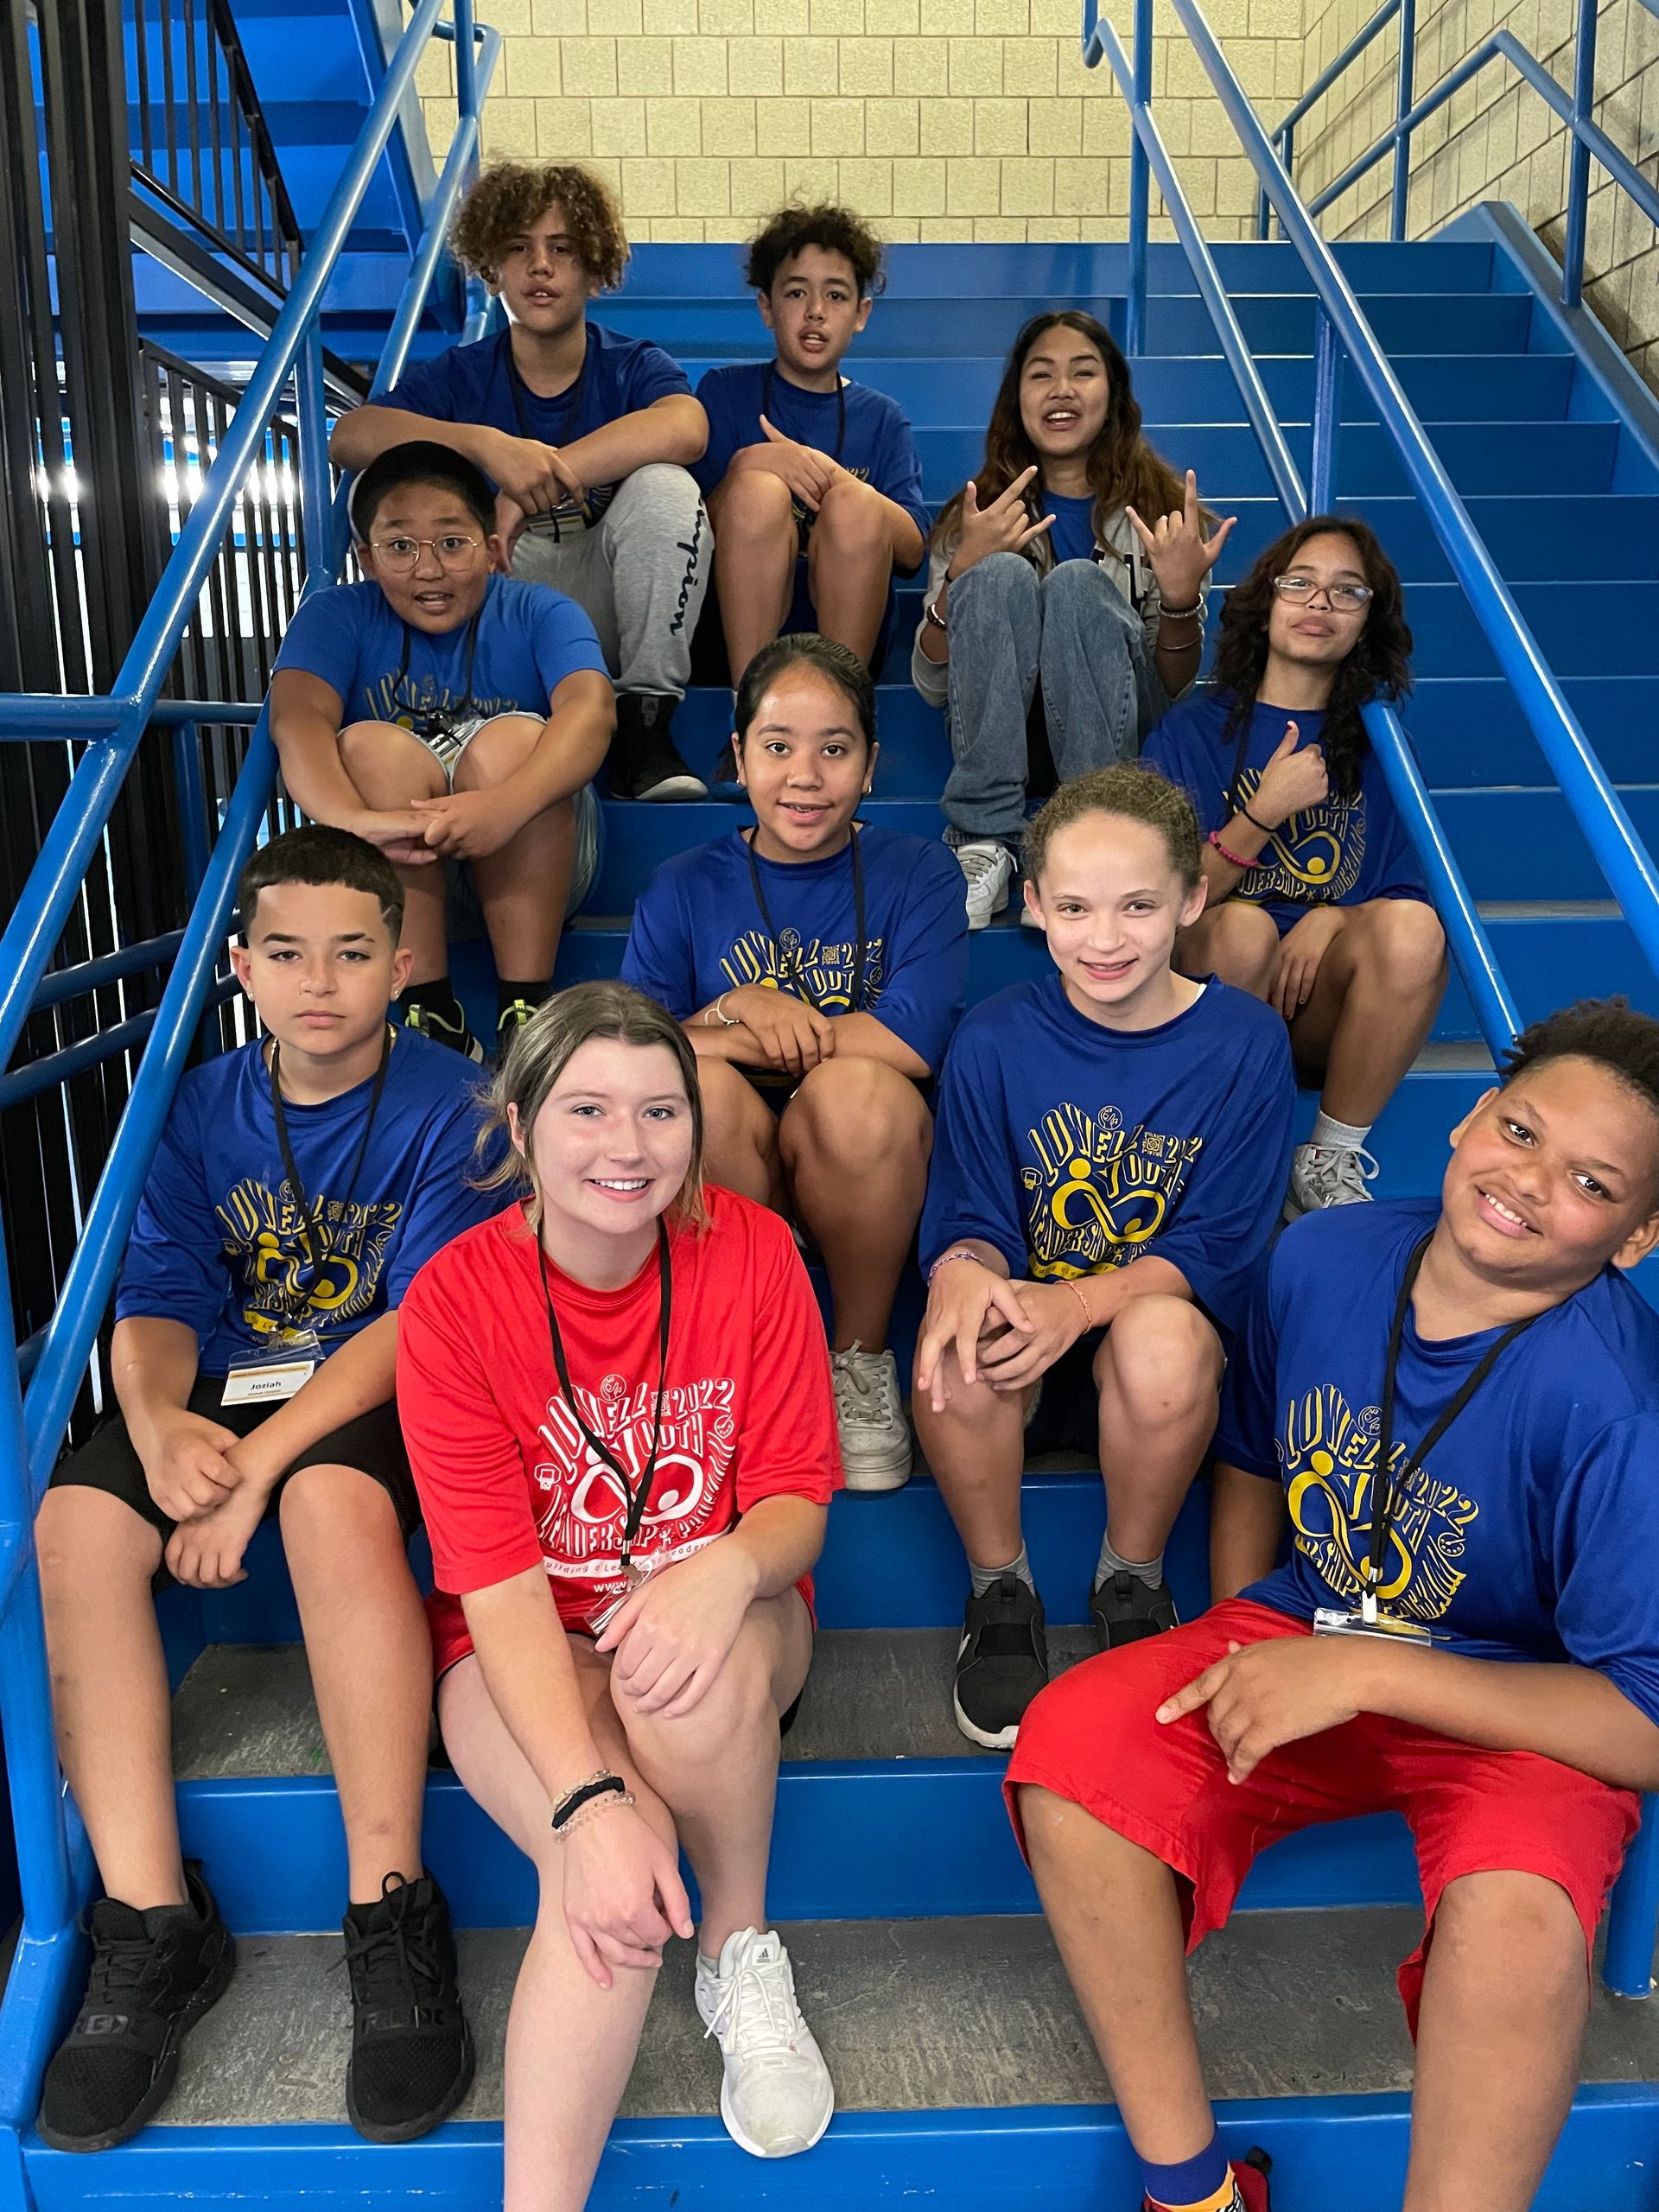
x,y
1074,632
640,574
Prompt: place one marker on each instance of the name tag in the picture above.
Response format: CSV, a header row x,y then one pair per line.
x,y
266,1385
1329,1621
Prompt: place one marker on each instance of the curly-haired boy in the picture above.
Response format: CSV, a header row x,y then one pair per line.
x,y
587,436
812,480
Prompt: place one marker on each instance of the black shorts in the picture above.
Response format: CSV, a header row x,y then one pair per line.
x,y
373,1443
1066,1417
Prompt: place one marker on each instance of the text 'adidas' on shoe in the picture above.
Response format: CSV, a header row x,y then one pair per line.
x,y
411,2049
875,1450
1001,1662
776,2096
154,1975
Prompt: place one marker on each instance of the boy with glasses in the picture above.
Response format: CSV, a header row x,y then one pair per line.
x,y
445,713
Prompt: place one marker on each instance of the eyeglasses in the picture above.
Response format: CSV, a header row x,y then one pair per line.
x,y
1300,591
400,556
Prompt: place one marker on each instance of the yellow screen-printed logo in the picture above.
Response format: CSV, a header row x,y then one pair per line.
x,y
264,1242
1099,1195
1329,1455
809,968
1314,855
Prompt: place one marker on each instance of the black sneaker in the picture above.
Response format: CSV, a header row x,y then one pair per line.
x,y
644,764
511,1019
1001,1662
428,1021
412,2048
154,1975
1124,1609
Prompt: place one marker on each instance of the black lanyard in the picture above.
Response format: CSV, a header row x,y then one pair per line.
x,y
1386,1488
317,1245
516,386
451,714
767,383
786,974
637,1499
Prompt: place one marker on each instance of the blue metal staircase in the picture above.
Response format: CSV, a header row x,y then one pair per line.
x,y
965,2076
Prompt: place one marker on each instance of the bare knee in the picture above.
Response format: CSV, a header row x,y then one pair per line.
x,y
851,519
736,1706
1163,1358
337,1518
1404,944
855,1112
88,1539
754,504
498,750
731,1110
1519,1933
388,765
1242,944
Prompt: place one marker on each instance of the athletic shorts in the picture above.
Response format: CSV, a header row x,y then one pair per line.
x,y
373,1443
1064,1416
1091,1737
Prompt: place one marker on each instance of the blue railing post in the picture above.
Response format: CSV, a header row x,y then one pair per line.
x,y
1404,100
1327,411
192,803
1578,159
316,486
1140,186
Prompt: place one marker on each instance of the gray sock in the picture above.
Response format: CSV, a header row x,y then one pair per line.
x,y
1149,1571
987,1577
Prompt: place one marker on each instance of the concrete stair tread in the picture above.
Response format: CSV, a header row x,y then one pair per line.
x,y
245,1710
912,2015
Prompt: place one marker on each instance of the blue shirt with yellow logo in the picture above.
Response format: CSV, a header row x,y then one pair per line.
x,y
1341,852
218,1242
697,931
1532,1531
1073,1148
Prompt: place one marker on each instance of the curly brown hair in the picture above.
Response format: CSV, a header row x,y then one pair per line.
x,y
1378,667
831,229
1610,1032
1124,469
1138,795
509,196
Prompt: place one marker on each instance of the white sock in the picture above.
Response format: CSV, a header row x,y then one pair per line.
x,y
987,1577
1332,1136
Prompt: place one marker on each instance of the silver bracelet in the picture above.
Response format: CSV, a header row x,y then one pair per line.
x,y
956,1252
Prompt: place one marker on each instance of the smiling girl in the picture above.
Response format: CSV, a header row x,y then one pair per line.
x,y
1111,1149
819,966
618,1414
1075,560
1317,901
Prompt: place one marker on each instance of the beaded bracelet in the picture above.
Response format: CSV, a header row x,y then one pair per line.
x,y
588,1791
1087,1317
956,1252
1234,860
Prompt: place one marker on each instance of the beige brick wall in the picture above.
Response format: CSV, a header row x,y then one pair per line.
x,y
1497,140
940,119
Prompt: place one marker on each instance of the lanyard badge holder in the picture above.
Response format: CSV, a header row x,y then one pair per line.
x,y
293,1352
637,1496
1370,1620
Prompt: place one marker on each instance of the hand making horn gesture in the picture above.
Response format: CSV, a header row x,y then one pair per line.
x,y
1004,527
1176,549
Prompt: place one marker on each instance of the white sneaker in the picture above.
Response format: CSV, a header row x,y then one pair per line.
x,y
777,2097
1327,1175
989,869
874,1435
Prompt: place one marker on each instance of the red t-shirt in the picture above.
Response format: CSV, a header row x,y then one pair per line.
x,y
505,1475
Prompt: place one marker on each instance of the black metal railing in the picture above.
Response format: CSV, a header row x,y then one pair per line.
x,y
201,149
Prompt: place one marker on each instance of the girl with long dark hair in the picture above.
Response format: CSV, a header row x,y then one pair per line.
x,y
1316,900
1076,560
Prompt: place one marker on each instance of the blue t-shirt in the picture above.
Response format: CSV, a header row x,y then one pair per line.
x,y
1074,1148
481,384
218,1239
878,447
697,931
1341,852
529,637
1072,532
1532,1532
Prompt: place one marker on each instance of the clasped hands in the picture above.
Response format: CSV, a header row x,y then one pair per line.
x,y
1002,1333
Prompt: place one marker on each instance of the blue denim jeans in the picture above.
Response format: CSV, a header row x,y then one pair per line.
x,y
1074,632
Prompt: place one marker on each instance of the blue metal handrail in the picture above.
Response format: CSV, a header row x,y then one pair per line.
x,y
1590,795
1575,108
1495,1009
50,1847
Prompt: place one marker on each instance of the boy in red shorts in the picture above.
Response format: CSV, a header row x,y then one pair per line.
x,y
1490,1356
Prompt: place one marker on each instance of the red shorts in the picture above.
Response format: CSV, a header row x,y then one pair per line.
x,y
1091,1737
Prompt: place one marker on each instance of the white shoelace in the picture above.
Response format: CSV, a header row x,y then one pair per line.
x,y
978,866
757,2013
1341,1169
864,1388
